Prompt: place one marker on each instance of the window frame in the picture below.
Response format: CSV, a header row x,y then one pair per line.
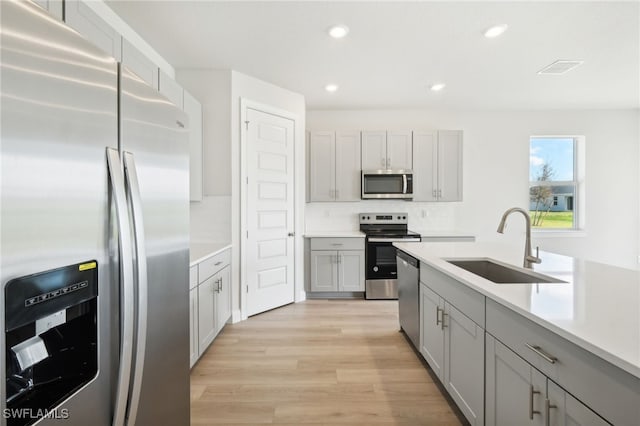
x,y
577,183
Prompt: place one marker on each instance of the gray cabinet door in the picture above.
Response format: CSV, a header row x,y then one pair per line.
x,y
351,270
223,298
324,270
565,410
53,6
399,150
322,167
464,363
449,165
425,171
83,19
374,150
193,109
206,313
515,391
431,331
193,326
138,62
347,166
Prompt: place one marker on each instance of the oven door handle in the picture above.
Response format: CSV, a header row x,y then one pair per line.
x,y
394,240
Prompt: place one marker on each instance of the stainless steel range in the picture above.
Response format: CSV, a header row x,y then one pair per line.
x,y
382,230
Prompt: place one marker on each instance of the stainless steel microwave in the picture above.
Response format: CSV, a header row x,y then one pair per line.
x,y
396,184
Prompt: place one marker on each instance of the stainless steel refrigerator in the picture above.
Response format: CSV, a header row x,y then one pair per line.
x,y
94,234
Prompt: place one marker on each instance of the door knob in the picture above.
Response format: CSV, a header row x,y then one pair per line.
x,y
291,234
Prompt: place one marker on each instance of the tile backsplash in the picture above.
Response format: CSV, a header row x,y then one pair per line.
x,y
344,216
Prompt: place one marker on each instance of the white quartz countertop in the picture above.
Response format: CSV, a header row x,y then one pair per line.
x,y
598,308
334,234
201,251
443,234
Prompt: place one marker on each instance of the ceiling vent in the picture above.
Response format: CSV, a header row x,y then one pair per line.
x,y
559,67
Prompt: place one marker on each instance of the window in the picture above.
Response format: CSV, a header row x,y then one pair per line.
x,y
553,182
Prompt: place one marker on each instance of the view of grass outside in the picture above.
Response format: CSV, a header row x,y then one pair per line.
x,y
554,220
552,184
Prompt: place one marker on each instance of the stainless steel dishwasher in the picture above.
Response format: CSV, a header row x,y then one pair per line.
x,y
409,296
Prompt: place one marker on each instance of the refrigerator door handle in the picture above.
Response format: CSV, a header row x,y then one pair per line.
x,y
116,179
133,190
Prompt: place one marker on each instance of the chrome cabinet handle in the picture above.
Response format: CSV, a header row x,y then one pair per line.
x,y
131,179
434,193
116,179
547,411
438,315
219,285
545,355
337,244
531,410
388,163
443,325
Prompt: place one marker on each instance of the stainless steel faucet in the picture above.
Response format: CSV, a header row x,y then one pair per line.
x,y
529,259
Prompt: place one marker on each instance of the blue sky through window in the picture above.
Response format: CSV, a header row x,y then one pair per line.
x,y
558,152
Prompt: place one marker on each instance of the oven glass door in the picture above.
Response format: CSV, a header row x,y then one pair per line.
x,y
381,261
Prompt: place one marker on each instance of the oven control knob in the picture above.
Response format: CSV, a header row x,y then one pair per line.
x,y
375,269
404,217
398,217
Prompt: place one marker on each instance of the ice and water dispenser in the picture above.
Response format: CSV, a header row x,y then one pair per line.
x,y
51,336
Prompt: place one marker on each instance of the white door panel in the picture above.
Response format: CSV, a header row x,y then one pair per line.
x,y
269,214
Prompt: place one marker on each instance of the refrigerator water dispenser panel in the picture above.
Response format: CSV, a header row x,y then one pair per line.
x,y
51,338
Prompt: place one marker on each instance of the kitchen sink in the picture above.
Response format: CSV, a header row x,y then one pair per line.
x,y
501,274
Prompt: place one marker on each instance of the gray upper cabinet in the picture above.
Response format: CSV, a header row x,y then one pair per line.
x,y
137,62
170,89
437,157
193,108
334,166
83,19
387,150
54,7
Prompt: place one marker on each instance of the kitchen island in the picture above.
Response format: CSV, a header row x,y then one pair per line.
x,y
592,318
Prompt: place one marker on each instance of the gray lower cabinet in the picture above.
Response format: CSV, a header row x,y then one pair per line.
x,y
565,410
514,389
334,270
453,345
337,264
518,394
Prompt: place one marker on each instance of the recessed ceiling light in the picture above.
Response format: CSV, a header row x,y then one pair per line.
x,y
331,88
496,30
338,31
437,87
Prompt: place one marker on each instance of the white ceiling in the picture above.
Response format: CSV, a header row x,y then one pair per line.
x,y
395,50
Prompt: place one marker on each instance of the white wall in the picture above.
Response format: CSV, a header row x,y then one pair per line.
x,y
496,161
211,220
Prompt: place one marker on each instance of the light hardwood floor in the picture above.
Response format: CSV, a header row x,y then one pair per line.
x,y
317,362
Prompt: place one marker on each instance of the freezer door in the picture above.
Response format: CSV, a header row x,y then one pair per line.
x,y
59,113
154,138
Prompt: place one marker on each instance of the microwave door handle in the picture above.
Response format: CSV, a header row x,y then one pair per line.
x,y
404,184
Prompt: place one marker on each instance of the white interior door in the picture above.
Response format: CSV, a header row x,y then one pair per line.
x,y
269,266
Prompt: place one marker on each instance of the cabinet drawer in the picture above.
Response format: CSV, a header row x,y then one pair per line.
x,y
459,295
605,388
208,267
193,277
337,243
